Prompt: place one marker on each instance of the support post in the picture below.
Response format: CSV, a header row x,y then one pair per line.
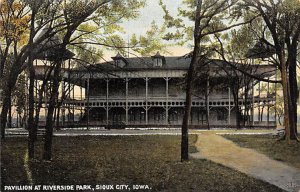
x,y
46,100
275,114
268,107
63,92
253,102
207,105
126,108
167,99
107,94
259,102
146,99
88,103
229,105
81,99
73,104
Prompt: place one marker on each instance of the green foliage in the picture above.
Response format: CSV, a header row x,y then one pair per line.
x,y
240,41
214,15
83,26
278,107
150,43
13,22
103,30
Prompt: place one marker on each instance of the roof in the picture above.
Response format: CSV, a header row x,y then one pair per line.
x,y
138,64
142,63
170,63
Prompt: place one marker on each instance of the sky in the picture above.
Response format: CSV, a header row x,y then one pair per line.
x,y
153,12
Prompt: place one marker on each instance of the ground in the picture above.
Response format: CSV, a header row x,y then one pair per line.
x,y
268,145
151,160
216,148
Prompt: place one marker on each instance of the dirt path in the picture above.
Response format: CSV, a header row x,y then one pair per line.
x,y
225,152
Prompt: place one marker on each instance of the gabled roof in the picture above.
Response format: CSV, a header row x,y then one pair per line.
x,y
143,63
174,63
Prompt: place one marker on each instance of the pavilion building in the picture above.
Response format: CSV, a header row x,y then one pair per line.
x,y
150,92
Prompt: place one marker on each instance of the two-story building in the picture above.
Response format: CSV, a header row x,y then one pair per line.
x,y
149,92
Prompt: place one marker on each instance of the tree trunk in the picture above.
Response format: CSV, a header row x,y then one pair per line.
x,y
246,113
47,155
41,97
279,117
4,58
293,94
58,116
285,100
7,91
186,117
31,124
190,74
262,112
9,118
235,93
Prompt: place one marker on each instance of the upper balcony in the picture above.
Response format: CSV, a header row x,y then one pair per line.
x,y
102,101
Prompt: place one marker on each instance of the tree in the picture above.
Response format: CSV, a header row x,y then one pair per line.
x,y
13,36
209,18
278,108
79,13
202,84
48,21
242,71
208,78
151,42
19,98
282,20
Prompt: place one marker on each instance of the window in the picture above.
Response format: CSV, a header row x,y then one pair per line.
x,y
119,60
158,62
119,63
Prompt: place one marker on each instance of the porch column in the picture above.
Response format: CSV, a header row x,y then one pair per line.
x,y
253,102
207,93
73,95
259,102
63,93
107,94
229,105
45,98
81,99
167,99
275,114
88,102
126,107
268,107
146,99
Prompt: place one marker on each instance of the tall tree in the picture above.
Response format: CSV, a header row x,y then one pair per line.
x,y
282,20
78,13
13,35
46,23
209,17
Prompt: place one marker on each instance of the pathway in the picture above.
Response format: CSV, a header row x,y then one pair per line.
x,y
220,150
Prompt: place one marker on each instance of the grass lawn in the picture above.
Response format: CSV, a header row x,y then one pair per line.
x,y
268,145
129,160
